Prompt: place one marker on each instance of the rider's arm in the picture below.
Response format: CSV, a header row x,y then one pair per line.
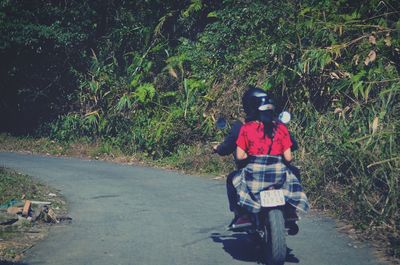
x,y
228,146
295,145
286,143
240,153
242,143
287,155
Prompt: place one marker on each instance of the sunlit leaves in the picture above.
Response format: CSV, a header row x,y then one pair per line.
x,y
92,118
315,60
145,93
124,103
370,58
358,84
212,15
193,7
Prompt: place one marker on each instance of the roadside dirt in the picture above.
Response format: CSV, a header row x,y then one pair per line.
x,y
22,232
375,239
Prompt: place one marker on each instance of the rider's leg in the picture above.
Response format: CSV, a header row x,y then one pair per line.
x,y
291,219
291,213
241,218
295,170
232,194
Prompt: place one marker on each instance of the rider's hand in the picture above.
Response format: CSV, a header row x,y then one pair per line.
x,y
215,147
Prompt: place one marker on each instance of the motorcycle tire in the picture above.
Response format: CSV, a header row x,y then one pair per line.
x,y
275,237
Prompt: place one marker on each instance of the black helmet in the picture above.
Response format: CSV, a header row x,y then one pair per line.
x,y
254,100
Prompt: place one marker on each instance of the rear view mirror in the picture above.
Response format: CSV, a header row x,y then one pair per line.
x,y
221,123
285,117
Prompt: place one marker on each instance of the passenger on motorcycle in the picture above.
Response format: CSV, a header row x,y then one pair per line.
x,y
265,144
228,146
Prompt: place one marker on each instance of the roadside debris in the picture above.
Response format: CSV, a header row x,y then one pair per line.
x,y
27,208
41,202
14,210
23,222
9,203
48,215
7,219
32,211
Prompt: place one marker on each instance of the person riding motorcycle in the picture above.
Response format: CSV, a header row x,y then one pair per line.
x,y
228,147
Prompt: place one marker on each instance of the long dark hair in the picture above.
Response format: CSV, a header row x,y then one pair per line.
x,y
267,118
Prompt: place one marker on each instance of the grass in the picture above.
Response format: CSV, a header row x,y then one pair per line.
x,y
356,175
14,185
41,145
198,159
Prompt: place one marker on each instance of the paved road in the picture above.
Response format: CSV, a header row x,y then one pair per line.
x,y
136,215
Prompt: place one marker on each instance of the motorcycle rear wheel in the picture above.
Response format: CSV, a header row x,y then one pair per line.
x,y
275,237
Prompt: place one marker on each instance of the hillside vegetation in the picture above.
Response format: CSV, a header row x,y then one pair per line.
x,y
153,76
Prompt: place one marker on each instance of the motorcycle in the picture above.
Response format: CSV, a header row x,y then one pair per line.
x,y
271,224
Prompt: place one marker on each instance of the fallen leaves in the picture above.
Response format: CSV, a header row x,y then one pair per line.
x,y
372,39
375,125
370,58
388,41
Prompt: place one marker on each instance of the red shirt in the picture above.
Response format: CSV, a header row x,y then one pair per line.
x,y
251,139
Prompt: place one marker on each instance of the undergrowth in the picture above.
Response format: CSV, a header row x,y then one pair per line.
x,y
15,186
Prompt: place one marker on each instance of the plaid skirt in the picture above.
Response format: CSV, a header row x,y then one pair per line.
x,y
263,172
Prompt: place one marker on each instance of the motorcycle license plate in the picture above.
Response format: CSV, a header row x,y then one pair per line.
x,y
272,198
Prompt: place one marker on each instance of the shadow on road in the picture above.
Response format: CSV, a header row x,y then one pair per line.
x,y
290,257
241,247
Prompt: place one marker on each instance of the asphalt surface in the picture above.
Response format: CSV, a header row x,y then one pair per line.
x,y
126,214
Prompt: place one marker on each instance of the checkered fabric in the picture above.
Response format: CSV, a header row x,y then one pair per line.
x,y
263,172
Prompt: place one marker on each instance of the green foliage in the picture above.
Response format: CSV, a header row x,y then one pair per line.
x,y
358,165
145,93
66,128
187,158
193,7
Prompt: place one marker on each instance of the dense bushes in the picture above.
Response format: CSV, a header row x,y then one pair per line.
x,y
154,76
